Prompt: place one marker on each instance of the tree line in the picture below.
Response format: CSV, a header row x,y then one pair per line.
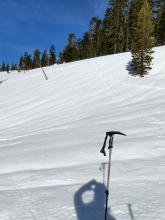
x,y
29,61
128,25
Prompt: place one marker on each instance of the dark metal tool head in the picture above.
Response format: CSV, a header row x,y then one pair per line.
x,y
110,134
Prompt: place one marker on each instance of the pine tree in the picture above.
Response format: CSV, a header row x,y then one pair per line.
x,y
22,63
60,58
115,25
141,44
126,25
134,10
27,59
44,59
95,32
70,52
160,26
14,67
30,61
3,67
107,45
36,59
86,46
7,68
80,49
52,55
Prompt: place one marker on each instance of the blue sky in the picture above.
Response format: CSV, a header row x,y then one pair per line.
x,y
30,24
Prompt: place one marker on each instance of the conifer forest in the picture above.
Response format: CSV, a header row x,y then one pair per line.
x,y
135,26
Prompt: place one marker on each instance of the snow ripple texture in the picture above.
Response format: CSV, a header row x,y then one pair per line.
x,y
51,133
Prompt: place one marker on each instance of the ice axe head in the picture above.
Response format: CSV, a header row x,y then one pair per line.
x,y
109,134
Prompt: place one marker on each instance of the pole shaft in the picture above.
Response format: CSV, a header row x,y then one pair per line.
x,y
109,168
106,206
44,73
108,181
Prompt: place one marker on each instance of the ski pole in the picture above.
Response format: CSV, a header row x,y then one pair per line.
x,y
44,72
109,134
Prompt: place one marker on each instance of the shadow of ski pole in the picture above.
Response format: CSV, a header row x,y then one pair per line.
x,y
130,211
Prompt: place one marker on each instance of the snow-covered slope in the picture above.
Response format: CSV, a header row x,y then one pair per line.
x,y
51,133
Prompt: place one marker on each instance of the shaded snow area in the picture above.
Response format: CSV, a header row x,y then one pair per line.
x,y
51,133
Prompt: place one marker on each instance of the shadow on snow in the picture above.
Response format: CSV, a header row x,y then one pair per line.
x,y
95,208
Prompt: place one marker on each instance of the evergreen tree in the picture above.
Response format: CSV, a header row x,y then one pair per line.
x,y
30,61
134,10
86,46
21,63
27,59
7,68
126,25
44,59
115,25
80,49
107,43
15,67
160,26
3,67
60,58
36,59
141,44
52,55
95,33
70,52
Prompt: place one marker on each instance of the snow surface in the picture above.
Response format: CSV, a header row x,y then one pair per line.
x,y
51,133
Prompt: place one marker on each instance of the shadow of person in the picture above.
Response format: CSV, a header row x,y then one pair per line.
x,y
89,202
